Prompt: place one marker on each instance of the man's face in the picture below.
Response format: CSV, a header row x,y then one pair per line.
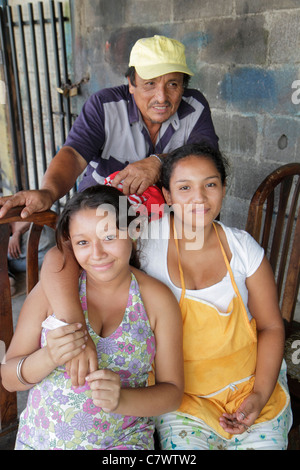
x,y
158,98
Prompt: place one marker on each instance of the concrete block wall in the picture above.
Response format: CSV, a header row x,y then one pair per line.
x,y
245,56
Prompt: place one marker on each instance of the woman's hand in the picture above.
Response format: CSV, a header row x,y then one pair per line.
x,y
106,389
64,343
84,363
245,415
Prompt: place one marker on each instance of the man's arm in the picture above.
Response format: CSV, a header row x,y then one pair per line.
x,y
62,172
59,178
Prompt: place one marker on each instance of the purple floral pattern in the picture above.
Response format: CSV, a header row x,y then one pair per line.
x,y
60,417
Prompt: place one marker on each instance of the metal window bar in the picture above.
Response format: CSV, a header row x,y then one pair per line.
x,y
27,115
18,97
43,46
57,72
37,86
64,60
28,92
7,77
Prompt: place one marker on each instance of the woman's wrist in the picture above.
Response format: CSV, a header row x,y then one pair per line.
x,y
261,397
37,366
19,372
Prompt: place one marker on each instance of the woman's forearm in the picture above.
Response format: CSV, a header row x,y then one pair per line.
x,y
108,394
149,401
61,286
34,369
263,305
269,359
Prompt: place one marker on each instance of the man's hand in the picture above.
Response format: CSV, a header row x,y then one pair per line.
x,y
34,200
138,176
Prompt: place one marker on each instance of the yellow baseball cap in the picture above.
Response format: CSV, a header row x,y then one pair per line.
x,y
158,55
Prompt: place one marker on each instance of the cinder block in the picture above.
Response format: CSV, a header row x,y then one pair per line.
x,y
237,133
101,13
234,211
191,9
240,40
147,13
256,6
285,37
281,140
247,175
260,90
208,79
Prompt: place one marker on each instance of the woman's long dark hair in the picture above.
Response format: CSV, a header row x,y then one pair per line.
x,y
92,198
200,150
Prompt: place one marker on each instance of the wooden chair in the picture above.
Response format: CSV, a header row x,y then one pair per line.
x,y
274,221
8,401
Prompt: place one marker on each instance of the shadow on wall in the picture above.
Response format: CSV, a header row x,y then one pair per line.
x,y
120,43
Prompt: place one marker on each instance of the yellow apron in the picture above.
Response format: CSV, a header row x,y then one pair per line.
x,y
220,352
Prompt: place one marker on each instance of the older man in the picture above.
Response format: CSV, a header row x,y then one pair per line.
x,y
128,128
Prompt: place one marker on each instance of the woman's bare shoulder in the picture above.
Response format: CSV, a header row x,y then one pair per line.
x,y
148,284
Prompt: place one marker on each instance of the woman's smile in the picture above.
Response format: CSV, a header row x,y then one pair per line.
x,y
195,191
99,249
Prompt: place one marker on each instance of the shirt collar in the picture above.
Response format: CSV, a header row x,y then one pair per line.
x,y
133,111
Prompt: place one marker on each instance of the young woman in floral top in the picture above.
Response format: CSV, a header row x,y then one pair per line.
x,y
130,327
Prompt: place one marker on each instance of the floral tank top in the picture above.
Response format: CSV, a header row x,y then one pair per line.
x,y
58,416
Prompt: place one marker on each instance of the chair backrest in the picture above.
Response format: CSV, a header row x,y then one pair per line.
x,y
8,401
274,221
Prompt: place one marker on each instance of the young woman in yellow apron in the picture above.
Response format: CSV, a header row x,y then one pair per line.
x,y
233,356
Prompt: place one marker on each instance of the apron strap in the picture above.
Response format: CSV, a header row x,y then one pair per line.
x,y
179,264
227,263
235,288
224,256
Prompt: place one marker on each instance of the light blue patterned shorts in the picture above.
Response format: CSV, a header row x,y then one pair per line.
x,y
178,432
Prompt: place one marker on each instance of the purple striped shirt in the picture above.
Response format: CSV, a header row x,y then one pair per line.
x,y
109,132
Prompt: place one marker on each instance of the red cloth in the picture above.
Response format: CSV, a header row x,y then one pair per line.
x,y
152,199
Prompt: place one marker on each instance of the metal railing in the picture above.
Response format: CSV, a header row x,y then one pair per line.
x,y
35,63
